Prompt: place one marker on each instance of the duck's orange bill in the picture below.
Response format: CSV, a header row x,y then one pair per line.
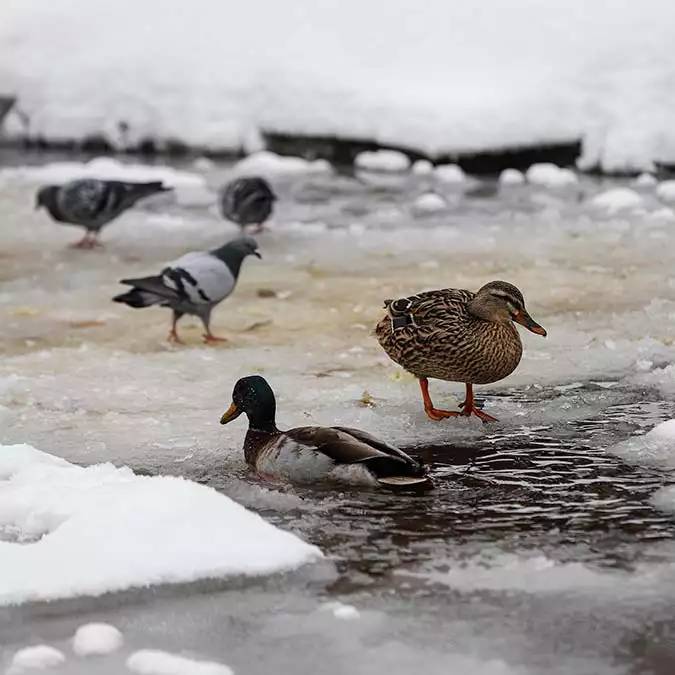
x,y
230,414
524,319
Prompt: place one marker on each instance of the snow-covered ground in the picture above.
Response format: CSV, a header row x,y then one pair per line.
x,y
90,381
438,77
67,531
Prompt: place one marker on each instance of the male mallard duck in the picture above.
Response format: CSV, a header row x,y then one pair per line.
x,y
456,335
311,452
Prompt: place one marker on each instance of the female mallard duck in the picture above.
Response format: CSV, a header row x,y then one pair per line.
x,y
456,335
309,452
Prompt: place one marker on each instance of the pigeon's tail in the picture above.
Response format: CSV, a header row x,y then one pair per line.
x,y
138,299
136,191
394,473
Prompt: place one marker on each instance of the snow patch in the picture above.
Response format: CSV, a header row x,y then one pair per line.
x,y
422,167
269,163
450,173
104,168
550,175
97,639
101,528
511,177
39,657
429,203
382,160
341,610
617,199
655,448
156,662
645,180
666,190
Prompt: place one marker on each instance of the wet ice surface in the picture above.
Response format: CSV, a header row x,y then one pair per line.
x,y
541,550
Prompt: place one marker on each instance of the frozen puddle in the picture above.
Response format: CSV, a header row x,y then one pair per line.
x,y
103,528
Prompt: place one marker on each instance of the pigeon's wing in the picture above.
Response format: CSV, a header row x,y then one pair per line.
x,y
199,278
83,201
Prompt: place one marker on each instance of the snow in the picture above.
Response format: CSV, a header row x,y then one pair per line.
x,y
87,531
382,160
666,190
38,657
422,167
105,168
97,639
645,180
270,164
449,173
511,177
341,610
617,199
430,202
392,78
156,662
550,175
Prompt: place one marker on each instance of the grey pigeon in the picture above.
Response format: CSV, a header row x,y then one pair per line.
x,y
247,201
194,284
92,203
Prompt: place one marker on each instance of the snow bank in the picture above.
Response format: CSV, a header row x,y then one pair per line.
x,y
155,662
86,531
437,76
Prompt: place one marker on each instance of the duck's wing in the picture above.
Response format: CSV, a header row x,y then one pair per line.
x,y
334,442
379,444
388,465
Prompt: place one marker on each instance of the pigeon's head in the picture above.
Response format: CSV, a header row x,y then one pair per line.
x,y
237,249
253,396
246,246
46,196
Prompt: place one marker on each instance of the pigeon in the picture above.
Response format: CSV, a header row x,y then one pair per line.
x,y
194,284
92,203
247,201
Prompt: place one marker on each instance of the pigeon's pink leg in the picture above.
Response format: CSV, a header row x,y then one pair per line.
x,y
210,337
173,335
84,243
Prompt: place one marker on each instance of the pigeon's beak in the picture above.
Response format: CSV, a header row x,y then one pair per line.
x,y
524,319
256,254
231,414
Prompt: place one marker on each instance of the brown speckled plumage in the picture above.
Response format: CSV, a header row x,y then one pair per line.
x,y
456,335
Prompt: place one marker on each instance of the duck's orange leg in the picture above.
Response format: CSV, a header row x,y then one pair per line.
x,y
468,407
433,413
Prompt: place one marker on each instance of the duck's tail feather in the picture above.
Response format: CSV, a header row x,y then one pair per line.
x,y
393,472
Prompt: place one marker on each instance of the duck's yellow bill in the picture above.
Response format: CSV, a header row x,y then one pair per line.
x,y
524,319
230,414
